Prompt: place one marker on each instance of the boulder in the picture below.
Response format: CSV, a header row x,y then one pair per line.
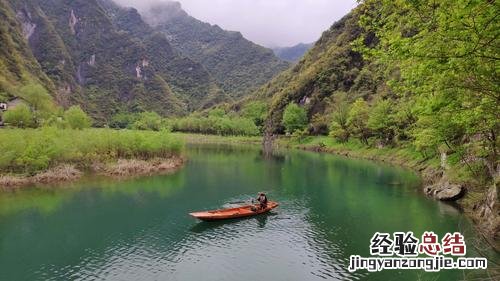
x,y
445,191
450,192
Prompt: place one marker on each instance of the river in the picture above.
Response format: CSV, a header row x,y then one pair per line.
x,y
330,207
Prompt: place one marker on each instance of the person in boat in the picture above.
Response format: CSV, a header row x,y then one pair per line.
x,y
262,199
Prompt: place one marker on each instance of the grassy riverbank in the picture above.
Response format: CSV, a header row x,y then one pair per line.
x,y
217,139
474,203
477,199
50,154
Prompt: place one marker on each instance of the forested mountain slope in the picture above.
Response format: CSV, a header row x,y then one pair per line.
x,y
238,65
294,53
17,63
414,76
96,60
331,67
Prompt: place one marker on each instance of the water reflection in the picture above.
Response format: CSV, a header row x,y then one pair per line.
x,y
203,226
140,229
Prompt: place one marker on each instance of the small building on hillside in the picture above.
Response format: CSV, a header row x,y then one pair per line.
x,y
13,102
4,106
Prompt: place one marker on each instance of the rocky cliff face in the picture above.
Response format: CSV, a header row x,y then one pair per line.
x,y
238,65
17,63
108,60
331,66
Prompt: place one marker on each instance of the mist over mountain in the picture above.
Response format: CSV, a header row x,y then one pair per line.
x,y
107,59
93,55
293,53
267,23
238,65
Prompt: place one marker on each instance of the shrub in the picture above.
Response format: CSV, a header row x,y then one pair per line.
x,y
294,118
39,100
215,125
148,121
19,116
217,112
123,120
255,111
357,120
34,150
76,118
338,132
339,128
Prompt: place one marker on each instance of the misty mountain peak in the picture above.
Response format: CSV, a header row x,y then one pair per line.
x,y
163,12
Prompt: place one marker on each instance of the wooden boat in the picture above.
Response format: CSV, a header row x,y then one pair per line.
x,y
232,213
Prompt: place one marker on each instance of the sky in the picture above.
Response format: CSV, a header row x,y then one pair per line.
x,y
271,23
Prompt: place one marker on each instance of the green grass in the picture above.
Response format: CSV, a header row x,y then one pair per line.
x,y
33,150
217,139
216,125
404,155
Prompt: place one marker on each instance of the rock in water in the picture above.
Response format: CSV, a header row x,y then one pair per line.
x,y
445,191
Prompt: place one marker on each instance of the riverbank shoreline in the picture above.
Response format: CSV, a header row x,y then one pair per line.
x,y
51,155
481,206
119,169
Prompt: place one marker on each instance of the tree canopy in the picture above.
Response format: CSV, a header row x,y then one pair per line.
x,y
294,118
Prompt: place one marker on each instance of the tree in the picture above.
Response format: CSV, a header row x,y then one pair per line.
x,y
148,121
357,120
339,126
294,118
76,118
256,111
39,100
19,116
446,54
381,121
123,120
217,112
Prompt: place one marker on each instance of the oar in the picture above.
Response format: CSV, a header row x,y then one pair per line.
x,y
240,202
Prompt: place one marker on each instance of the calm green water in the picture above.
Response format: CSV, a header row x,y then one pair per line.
x,y
139,230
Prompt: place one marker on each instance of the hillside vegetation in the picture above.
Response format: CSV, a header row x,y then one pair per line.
x,y
17,64
417,75
34,150
294,53
390,80
108,60
238,65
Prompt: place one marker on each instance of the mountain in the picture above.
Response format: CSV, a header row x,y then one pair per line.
x,y
331,66
102,57
238,65
413,82
17,63
294,53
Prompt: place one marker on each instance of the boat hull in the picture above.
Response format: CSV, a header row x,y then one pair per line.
x,y
233,213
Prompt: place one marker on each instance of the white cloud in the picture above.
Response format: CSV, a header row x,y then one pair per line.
x,y
267,22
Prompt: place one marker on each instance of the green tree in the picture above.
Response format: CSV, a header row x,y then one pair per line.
x,y
123,120
76,118
381,121
20,116
339,128
39,100
446,55
149,121
255,111
294,118
357,120
217,112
